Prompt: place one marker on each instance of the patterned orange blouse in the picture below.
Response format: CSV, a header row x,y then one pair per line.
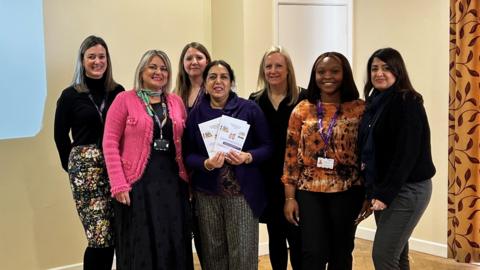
x,y
305,145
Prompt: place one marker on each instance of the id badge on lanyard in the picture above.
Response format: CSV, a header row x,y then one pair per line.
x,y
161,144
324,162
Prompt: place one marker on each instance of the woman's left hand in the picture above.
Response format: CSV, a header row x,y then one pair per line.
x,y
378,205
236,158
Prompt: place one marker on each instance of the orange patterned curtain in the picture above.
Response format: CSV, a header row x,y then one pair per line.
x,y
464,132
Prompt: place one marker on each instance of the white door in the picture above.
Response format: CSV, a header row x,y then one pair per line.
x,y
307,29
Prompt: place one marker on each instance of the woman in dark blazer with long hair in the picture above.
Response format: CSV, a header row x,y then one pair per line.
x,y
396,160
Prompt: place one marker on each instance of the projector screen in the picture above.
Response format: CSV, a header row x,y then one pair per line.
x,y
22,71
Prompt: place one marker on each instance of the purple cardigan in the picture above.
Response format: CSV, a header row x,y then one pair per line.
x,y
257,143
128,136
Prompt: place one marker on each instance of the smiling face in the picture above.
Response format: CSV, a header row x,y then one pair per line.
x,y
275,69
381,75
329,77
155,74
218,84
95,61
194,62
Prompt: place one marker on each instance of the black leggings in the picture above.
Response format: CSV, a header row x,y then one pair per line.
x,y
327,227
279,232
98,258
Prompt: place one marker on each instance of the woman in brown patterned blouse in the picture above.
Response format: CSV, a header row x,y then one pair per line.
x,y
323,190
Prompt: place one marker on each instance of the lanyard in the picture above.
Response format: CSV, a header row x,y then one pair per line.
x,y
164,113
144,95
102,106
326,136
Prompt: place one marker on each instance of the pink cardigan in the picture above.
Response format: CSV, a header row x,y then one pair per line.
x,y
128,136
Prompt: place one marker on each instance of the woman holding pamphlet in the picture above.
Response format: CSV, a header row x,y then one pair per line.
x,y
323,190
226,141
142,143
277,95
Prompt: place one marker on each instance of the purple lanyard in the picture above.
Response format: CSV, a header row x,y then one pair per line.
x,y
326,136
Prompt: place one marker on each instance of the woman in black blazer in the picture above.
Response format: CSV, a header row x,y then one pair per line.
x,y
394,143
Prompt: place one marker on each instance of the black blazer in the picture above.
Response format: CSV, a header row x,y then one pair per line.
x,y
401,138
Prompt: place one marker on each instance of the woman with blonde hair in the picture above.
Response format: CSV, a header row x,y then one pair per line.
x,y
277,95
143,152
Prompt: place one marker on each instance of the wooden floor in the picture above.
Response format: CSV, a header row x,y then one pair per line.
x,y
362,260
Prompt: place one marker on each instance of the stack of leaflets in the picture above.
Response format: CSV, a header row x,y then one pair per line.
x,y
224,134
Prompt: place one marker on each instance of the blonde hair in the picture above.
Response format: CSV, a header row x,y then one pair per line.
x,y
262,84
146,58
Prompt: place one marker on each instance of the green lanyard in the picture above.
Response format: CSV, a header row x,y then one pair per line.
x,y
144,95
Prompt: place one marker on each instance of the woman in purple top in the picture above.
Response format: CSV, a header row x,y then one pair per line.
x,y
228,186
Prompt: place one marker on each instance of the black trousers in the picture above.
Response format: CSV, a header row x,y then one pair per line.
x,y
327,224
279,232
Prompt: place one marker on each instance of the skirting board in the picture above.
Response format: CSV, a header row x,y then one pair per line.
x,y
432,248
262,250
77,266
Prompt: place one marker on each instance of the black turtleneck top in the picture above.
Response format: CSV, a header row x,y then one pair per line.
x,y
77,114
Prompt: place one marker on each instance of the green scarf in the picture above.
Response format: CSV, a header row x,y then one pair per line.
x,y
144,95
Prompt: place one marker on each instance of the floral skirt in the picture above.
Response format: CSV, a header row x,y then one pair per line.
x,y
91,192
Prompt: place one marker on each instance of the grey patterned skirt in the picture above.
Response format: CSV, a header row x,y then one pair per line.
x,y
91,192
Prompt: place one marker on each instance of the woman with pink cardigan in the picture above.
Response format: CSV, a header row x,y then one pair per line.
x,y
142,146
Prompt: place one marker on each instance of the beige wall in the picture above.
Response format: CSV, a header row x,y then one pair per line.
x,y
227,34
39,227
241,32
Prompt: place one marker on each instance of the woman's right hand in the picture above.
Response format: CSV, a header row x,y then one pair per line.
x,y
291,211
123,198
365,212
216,161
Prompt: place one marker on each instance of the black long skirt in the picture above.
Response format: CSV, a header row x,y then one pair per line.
x,y
154,231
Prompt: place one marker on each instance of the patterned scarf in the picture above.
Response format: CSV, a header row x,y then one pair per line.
x,y
145,94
